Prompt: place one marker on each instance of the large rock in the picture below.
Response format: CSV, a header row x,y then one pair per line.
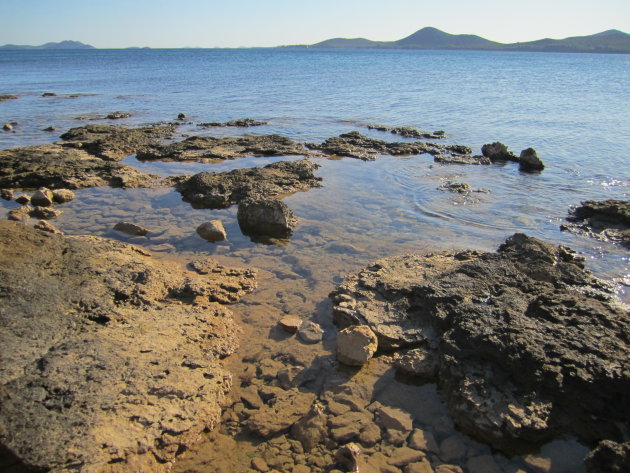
x,y
497,152
42,197
518,337
356,345
356,145
529,161
212,231
208,148
265,217
605,220
105,366
216,190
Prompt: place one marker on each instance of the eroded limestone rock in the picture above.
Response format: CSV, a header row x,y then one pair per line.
x,y
607,220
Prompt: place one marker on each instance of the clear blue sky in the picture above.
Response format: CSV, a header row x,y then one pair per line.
x,y
210,23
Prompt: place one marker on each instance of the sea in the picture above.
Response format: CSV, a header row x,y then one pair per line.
x,y
573,109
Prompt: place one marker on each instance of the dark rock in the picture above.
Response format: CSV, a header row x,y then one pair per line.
x,y
56,167
50,128
212,231
130,229
356,145
6,194
4,97
43,197
49,94
7,127
609,457
498,152
408,132
418,362
100,365
518,336
265,217
217,190
23,199
198,148
529,161
608,220
243,122
63,196
457,187
181,116
113,142
461,159
118,115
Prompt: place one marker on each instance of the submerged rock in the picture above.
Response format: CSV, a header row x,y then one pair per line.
x,y
290,323
101,364
217,190
517,335
408,132
242,122
287,408
45,213
265,217
208,148
606,220
118,115
130,229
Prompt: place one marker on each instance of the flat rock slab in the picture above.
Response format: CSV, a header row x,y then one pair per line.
x,y
518,337
217,190
286,409
605,220
103,361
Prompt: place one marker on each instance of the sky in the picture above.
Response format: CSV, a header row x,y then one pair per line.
x,y
237,23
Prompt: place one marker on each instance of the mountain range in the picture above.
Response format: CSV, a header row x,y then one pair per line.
x,y
610,41
60,45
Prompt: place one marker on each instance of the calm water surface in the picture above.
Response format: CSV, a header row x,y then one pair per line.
x,y
572,108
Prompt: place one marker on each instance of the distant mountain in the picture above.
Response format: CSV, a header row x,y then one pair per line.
x,y
611,41
60,45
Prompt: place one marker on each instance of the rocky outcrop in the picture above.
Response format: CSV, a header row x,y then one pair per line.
x,y
529,161
261,217
241,123
609,457
607,220
497,152
118,115
207,148
114,143
57,167
517,335
217,190
4,97
111,359
408,132
356,145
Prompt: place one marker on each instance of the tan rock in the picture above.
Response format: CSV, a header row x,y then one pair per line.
x,y
405,455
62,196
446,468
310,332
44,226
290,323
42,197
311,429
356,345
130,229
7,127
392,418
288,408
422,466
212,231
45,213
423,440
259,464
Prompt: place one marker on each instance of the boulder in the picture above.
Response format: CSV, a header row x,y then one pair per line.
x,y
43,197
265,217
62,196
212,231
516,335
356,345
130,229
529,161
498,152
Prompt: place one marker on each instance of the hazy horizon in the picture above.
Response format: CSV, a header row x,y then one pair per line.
x,y
246,23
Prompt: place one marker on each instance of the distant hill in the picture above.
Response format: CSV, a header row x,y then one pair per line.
x,y
60,45
611,41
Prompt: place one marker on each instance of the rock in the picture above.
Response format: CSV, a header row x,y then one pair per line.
x,y
23,199
100,364
7,127
130,229
457,187
607,220
258,464
56,166
392,418
62,196
356,145
529,161
499,383
420,362
498,152
217,190
350,456
448,469
369,435
311,430
118,115
356,345
44,226
6,194
609,457
287,408
243,122
49,94
408,132
422,466
290,323
310,332
50,128
181,116
212,231
45,213
538,463
4,97
234,283
251,398
483,464
42,197
404,455
208,148
423,440
21,214
265,217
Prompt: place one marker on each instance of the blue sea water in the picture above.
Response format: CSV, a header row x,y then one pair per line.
x,y
574,109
